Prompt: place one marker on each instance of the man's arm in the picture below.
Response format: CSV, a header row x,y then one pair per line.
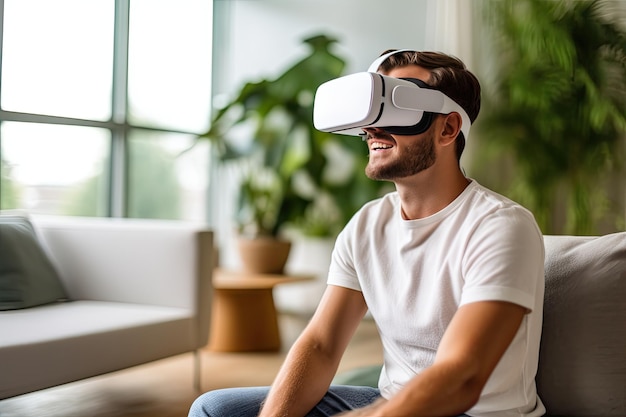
x,y
312,361
470,349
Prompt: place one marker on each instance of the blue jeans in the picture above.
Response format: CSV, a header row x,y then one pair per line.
x,y
246,402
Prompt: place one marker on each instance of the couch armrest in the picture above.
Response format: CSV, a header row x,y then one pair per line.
x,y
156,262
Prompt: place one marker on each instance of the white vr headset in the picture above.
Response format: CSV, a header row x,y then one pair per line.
x,y
401,106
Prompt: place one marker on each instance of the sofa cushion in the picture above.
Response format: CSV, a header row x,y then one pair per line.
x,y
63,342
27,277
582,366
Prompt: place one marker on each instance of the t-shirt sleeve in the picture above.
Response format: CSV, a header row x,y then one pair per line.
x,y
342,272
505,260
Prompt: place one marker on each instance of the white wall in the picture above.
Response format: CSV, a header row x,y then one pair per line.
x,y
264,36
256,39
259,38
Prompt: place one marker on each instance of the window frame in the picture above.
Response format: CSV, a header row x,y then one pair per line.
x,y
118,124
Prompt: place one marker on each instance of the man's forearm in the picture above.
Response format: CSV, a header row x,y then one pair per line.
x,y
313,359
442,390
473,344
438,391
301,382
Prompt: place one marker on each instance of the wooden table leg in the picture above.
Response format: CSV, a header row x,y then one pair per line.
x,y
244,320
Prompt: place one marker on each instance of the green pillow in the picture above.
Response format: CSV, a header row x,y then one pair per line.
x,y
366,376
27,277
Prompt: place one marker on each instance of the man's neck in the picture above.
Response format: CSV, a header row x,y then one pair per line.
x,y
429,192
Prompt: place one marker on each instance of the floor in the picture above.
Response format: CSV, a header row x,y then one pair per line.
x,y
165,388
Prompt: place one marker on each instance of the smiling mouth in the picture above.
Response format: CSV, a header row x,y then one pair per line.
x,y
376,146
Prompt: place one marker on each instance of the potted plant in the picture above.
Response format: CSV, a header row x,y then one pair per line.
x,y
292,175
557,110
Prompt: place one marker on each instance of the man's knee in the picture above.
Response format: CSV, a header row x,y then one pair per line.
x,y
229,402
203,406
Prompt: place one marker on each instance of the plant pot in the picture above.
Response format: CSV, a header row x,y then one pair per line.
x,y
309,256
263,255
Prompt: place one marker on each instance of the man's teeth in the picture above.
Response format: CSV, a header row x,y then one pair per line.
x,y
379,145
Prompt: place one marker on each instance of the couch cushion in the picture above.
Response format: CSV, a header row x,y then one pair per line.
x,y
27,277
582,366
58,343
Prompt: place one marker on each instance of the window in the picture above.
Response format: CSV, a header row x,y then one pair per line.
x,y
100,103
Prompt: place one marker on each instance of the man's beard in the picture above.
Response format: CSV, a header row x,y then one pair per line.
x,y
414,159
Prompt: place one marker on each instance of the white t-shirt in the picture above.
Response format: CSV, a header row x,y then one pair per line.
x,y
414,275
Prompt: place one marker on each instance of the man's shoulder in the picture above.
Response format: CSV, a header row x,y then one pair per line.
x,y
487,207
386,203
490,195
492,200
372,213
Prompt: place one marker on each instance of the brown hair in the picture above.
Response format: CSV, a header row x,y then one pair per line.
x,y
448,74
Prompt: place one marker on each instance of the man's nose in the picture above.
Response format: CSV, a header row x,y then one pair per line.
x,y
373,131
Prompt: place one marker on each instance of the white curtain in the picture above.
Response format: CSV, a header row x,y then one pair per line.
x,y
449,28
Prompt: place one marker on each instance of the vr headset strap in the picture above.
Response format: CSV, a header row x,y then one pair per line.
x,y
446,109
374,66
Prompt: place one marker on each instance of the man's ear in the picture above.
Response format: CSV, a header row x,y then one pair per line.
x,y
450,128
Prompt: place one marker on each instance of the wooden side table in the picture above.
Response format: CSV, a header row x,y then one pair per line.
x,y
243,318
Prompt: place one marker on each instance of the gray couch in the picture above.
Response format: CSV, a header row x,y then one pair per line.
x,y
82,297
582,365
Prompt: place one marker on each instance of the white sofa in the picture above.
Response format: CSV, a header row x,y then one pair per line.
x,y
139,290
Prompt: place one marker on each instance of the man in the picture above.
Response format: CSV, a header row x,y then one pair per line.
x,y
451,272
